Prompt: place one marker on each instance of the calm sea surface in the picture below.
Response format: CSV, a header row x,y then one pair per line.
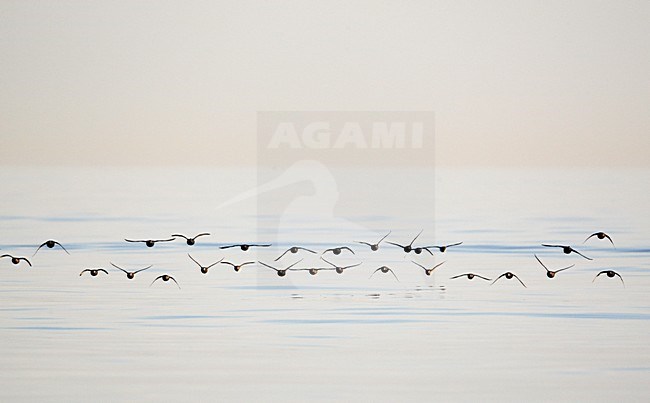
x,y
254,336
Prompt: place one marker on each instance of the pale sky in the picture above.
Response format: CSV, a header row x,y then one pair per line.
x,y
511,83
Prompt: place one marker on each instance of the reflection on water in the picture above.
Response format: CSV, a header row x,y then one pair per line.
x,y
253,335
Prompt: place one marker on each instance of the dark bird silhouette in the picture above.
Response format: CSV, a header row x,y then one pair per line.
x,y
566,249
280,272
149,242
190,241
374,246
294,249
313,270
337,250
441,248
237,267
428,271
93,271
552,273
339,269
50,244
509,276
204,269
601,235
130,274
384,269
610,274
244,246
409,247
166,277
470,276
17,259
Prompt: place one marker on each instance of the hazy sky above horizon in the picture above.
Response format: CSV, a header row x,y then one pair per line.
x,y
150,83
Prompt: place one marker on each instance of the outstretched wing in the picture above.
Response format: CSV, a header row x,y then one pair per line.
x,y
588,258
119,268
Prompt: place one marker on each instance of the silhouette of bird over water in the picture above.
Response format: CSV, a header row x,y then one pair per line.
x,y
337,250
190,241
149,242
166,277
552,273
204,269
50,244
237,267
17,259
339,269
245,247
294,249
566,249
313,270
470,276
374,246
509,276
384,269
428,271
409,247
130,274
600,235
610,274
280,272
93,272
441,248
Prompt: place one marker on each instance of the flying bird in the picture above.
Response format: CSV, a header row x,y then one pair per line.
x,y
17,259
204,269
509,276
280,272
337,250
470,276
610,274
600,235
441,248
130,274
374,246
245,246
339,269
93,271
149,242
166,277
50,244
409,247
428,271
384,269
237,267
566,249
190,241
313,270
294,249
552,273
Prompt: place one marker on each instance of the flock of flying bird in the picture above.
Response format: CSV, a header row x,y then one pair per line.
x,y
407,248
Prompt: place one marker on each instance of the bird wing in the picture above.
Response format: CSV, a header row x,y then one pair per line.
x,y
39,248
284,253
522,283
495,280
148,267
540,262
117,267
394,275
194,260
269,266
66,251
588,258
